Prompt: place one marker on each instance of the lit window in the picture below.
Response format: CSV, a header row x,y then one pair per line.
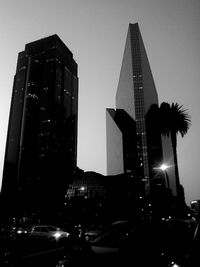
x,y
50,59
23,68
34,96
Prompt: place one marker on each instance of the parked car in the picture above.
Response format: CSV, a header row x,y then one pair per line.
x,y
48,232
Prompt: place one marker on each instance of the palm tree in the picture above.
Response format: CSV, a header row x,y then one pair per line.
x,y
174,120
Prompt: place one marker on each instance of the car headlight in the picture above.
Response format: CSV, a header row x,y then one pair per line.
x,y
66,234
57,235
174,264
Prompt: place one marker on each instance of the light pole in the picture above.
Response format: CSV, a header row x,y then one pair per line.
x,y
164,168
166,198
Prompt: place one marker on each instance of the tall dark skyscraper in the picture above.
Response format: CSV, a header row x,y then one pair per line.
x,y
134,143
41,149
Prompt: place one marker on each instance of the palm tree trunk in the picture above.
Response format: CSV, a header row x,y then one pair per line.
x,y
180,197
174,145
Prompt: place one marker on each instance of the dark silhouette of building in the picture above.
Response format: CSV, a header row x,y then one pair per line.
x,y
135,146
41,149
94,197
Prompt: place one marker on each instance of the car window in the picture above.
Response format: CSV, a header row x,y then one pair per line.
x,y
44,229
52,228
36,229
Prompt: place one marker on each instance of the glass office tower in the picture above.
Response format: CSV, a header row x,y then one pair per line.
x,y
41,149
134,142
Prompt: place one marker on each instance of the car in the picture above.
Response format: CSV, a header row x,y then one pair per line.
x,y
92,231
104,248
48,232
128,243
113,240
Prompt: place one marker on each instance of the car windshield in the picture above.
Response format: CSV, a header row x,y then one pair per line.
x,y
52,228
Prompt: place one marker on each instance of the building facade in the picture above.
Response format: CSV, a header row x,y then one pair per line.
x,y
93,197
41,149
134,142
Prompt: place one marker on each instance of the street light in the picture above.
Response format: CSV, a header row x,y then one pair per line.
x,y
164,168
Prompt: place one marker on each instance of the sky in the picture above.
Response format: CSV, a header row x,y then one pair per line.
x,y
95,31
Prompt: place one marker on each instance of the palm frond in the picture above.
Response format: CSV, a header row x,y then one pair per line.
x,y
180,119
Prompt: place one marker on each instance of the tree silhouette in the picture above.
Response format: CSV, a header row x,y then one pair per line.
x,y
174,120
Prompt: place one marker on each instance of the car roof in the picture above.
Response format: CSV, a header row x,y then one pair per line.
x,y
123,222
44,225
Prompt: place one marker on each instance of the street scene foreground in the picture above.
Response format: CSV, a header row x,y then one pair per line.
x,y
167,241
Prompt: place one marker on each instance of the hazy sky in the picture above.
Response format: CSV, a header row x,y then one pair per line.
x,y
95,32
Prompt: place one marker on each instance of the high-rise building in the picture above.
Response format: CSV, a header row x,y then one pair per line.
x,y
41,149
134,143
